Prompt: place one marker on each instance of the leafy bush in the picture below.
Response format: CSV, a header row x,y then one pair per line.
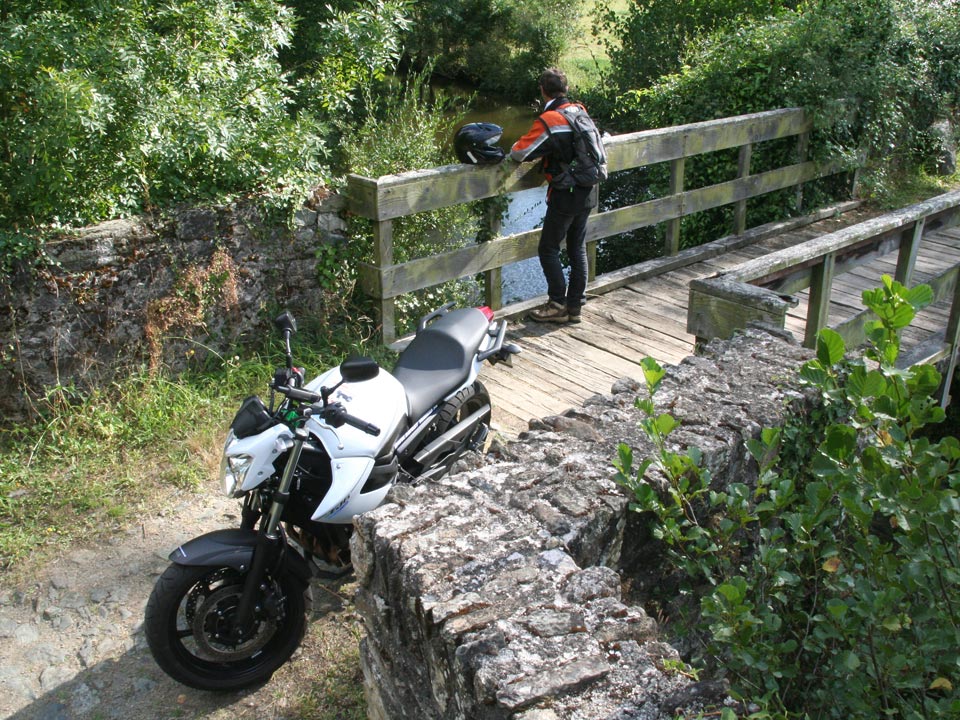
x,y
650,39
108,108
872,79
831,588
405,131
338,48
495,45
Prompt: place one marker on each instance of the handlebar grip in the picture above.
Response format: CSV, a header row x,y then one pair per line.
x,y
297,394
359,424
336,415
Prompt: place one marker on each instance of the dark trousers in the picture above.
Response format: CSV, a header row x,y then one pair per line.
x,y
558,228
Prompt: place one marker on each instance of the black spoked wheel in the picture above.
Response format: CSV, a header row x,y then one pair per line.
x,y
189,627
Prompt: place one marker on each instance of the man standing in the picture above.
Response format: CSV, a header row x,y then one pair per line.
x,y
551,138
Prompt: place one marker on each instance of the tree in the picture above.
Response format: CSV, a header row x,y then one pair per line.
x,y
651,38
495,45
112,107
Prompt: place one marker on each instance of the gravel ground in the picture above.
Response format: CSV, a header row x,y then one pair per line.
x,y
72,643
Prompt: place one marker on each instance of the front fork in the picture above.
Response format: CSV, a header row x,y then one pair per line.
x,y
269,545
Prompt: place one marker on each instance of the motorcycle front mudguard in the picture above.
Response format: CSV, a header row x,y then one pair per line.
x,y
233,548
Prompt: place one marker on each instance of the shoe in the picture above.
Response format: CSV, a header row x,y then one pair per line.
x,y
573,316
550,312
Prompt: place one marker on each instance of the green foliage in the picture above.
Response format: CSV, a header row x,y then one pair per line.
x,y
341,47
873,79
650,39
496,45
405,131
830,589
108,108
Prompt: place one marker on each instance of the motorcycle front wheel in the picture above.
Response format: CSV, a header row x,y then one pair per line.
x,y
189,622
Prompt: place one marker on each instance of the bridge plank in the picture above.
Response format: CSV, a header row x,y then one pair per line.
x,y
581,375
563,365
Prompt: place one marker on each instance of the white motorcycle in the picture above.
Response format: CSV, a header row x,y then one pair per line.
x,y
233,605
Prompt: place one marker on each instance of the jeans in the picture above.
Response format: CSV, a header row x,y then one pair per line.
x,y
556,229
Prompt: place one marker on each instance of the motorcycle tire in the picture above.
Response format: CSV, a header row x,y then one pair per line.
x,y
460,406
188,616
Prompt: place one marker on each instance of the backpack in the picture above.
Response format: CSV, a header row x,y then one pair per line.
x,y
589,164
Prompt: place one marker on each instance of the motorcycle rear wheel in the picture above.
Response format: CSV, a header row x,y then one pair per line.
x,y
462,405
189,617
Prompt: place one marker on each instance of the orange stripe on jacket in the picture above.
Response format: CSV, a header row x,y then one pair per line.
x,y
535,143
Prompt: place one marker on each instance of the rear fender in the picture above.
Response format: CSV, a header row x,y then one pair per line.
x,y
234,549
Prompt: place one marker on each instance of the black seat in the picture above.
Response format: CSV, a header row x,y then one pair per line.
x,y
439,358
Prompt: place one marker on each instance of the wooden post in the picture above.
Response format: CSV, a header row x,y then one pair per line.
x,y
803,142
743,170
672,243
818,308
592,248
493,278
951,338
907,258
383,257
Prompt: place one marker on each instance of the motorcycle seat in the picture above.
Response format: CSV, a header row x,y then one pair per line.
x,y
439,358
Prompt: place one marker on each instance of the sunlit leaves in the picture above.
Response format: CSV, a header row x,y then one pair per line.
x,y
110,108
830,347
829,587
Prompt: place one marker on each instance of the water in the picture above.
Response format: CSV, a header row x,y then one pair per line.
x,y
524,280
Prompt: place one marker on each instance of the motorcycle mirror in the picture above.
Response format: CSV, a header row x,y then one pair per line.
x,y
358,369
285,322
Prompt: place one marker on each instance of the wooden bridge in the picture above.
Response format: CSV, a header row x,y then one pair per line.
x,y
800,274
649,315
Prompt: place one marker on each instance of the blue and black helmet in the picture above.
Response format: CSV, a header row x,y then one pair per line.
x,y
476,144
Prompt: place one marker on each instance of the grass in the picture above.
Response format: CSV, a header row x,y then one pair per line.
x,y
586,59
89,464
336,693
916,187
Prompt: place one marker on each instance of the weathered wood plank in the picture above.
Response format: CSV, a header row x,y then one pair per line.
x,y
647,318
571,372
393,196
943,207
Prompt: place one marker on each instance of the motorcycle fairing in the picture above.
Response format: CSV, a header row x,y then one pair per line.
x,y
380,401
344,499
264,449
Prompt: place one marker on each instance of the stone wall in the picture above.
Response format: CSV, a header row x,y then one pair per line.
x,y
495,593
128,293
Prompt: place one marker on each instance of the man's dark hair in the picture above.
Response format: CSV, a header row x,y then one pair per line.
x,y
553,82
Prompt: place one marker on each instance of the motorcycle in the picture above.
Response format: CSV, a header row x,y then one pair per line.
x,y
233,605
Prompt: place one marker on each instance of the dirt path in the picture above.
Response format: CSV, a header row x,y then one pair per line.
x,y
72,643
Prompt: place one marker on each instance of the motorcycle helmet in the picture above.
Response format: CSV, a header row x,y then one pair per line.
x,y
476,144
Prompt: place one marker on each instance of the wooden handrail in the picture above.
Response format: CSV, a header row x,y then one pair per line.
x,y
386,198
761,290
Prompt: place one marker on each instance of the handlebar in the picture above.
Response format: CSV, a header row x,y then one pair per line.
x,y
304,396
334,414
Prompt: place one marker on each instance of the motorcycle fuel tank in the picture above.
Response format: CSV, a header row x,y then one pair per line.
x,y
381,401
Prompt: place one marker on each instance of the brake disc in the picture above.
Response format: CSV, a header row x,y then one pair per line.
x,y
213,623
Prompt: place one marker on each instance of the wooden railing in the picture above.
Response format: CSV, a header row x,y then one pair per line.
x,y
762,290
384,199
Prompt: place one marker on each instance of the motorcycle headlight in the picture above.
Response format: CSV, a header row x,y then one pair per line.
x,y
233,470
